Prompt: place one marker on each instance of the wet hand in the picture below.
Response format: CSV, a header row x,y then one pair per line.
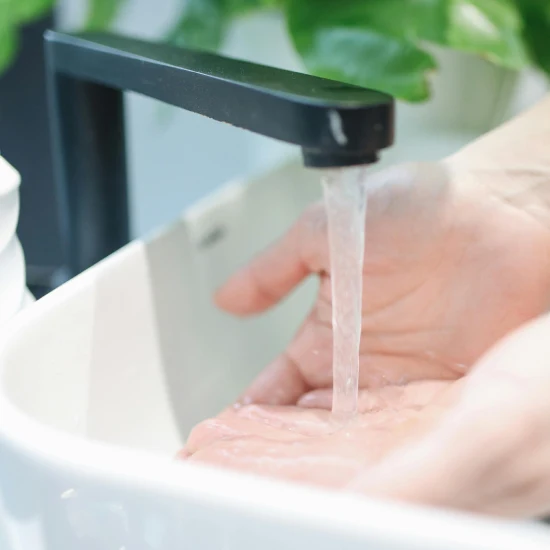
x,y
491,452
481,443
305,445
450,268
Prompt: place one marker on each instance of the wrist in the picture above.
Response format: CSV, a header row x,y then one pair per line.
x,y
511,163
526,189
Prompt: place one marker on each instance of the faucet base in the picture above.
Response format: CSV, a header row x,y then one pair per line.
x,y
314,159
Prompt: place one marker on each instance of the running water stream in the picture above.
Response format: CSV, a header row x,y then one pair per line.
x,y
345,203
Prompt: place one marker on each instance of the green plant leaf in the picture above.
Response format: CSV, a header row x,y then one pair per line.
x,y
202,25
14,13
490,28
379,43
536,30
366,43
243,7
402,19
101,14
8,34
8,45
28,10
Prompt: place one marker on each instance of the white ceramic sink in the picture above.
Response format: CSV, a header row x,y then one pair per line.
x,y
102,380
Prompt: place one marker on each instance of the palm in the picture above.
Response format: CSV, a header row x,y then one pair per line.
x,y
448,271
479,443
303,445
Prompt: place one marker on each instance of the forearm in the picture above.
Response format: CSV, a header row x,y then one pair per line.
x,y
513,161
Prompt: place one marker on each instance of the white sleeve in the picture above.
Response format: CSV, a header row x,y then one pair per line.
x,y
13,292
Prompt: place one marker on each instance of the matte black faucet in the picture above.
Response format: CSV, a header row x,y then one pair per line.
x,y
335,124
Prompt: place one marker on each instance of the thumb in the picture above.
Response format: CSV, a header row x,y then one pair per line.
x,y
278,270
490,452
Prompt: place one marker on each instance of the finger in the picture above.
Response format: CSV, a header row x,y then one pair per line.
x,y
280,383
412,395
490,453
275,272
419,474
367,400
486,465
296,461
305,364
306,422
232,424
434,465
322,399
516,368
183,454
316,399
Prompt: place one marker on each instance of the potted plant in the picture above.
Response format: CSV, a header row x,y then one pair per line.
x,y
458,67
373,43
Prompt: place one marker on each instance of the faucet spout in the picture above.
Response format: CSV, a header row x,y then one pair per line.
x,y
335,124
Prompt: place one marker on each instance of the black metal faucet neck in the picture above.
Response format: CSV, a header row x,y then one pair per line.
x,y
335,124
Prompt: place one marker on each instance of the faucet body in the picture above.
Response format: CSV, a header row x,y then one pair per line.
x,y
335,124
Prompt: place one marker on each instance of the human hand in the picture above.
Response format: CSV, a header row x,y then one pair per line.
x,y
491,452
480,444
449,269
305,445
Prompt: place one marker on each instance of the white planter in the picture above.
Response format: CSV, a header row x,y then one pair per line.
x,y
102,380
470,97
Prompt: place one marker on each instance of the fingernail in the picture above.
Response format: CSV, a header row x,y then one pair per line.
x,y
184,454
307,399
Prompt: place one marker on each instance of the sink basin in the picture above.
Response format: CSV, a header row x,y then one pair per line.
x,y
102,380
